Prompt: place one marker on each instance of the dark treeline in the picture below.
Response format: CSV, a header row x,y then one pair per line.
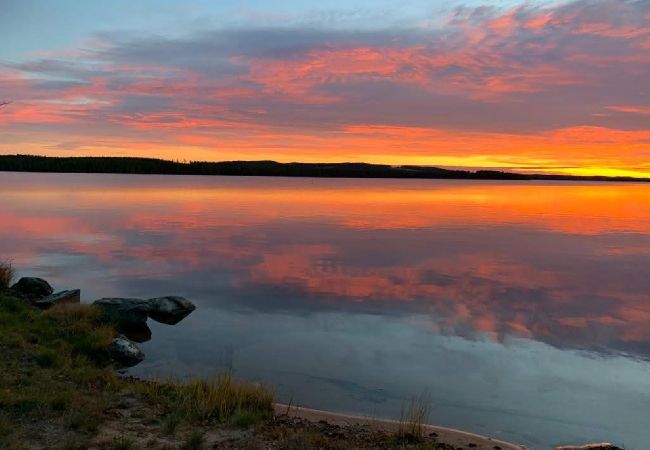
x,y
128,165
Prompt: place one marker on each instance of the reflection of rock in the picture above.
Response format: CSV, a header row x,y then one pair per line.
x,y
602,446
169,310
125,313
129,313
68,297
126,352
32,288
139,334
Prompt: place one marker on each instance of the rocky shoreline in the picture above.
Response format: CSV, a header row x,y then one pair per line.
x,y
140,414
128,315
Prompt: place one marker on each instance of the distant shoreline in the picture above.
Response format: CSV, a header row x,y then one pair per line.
x,y
151,166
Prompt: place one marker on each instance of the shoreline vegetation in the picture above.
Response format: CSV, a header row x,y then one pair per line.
x,y
61,388
151,166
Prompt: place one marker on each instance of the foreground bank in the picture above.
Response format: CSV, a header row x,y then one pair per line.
x,y
59,389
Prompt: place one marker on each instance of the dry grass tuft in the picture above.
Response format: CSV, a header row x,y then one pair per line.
x,y
413,416
221,398
7,274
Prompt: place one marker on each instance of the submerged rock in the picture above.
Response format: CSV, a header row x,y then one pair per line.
x,y
125,352
169,310
64,297
125,313
32,288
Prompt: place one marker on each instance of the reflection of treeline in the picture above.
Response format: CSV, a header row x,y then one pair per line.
x,y
129,165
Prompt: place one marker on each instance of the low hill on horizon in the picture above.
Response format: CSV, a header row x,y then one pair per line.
x,y
138,165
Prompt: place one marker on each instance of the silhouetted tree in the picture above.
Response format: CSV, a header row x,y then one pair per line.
x,y
28,163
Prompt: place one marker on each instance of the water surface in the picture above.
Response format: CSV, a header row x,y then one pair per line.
x,y
522,308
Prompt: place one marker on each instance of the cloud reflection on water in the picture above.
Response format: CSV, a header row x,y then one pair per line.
x,y
562,264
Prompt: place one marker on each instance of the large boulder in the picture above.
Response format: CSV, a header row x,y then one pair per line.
x,y
125,313
32,288
169,310
129,313
64,297
125,352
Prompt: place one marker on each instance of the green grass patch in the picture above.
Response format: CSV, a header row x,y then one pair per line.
x,y
57,371
220,399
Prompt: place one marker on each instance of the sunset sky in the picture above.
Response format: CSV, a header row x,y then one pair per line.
x,y
559,86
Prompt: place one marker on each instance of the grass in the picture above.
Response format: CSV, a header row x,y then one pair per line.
x,y
57,373
7,274
413,417
55,365
220,399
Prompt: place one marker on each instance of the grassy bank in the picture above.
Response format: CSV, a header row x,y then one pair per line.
x,y
59,388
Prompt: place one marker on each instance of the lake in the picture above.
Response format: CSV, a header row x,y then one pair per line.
x,y
521,309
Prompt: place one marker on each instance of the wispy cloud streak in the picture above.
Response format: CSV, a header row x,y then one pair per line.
x,y
538,86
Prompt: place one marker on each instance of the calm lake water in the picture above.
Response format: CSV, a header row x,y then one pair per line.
x,y
522,308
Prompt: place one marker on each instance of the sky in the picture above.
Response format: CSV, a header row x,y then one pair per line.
x,y
542,86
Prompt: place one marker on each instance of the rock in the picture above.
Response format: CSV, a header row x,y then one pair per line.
x,y
125,313
64,297
169,310
128,313
32,288
601,446
138,334
125,352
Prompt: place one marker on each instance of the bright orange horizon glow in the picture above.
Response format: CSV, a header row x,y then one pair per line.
x,y
553,89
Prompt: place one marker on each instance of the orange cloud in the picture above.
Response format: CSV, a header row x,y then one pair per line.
x,y
521,88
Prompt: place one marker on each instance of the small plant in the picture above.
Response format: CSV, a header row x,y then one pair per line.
x,y
7,274
171,422
413,416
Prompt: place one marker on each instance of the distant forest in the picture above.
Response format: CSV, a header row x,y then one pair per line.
x,y
129,165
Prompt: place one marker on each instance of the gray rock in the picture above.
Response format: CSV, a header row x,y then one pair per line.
x,y
125,313
169,310
32,288
128,313
125,352
64,297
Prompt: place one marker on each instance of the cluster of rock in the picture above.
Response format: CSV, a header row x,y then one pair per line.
x,y
128,315
39,293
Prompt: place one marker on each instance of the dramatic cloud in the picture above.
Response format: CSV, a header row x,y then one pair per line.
x,y
542,87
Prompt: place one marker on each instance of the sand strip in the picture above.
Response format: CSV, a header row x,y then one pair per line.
x,y
457,438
